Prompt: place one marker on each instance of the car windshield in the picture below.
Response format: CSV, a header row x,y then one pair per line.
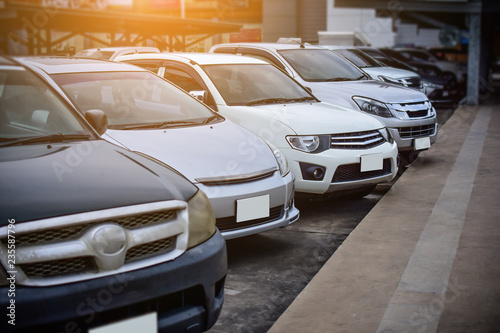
x,y
134,99
359,58
30,110
253,84
321,65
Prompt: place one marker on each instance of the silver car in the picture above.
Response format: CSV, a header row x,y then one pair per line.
x,y
246,179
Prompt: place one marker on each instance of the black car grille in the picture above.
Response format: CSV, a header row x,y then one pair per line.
x,y
60,267
356,140
229,223
416,131
352,172
417,114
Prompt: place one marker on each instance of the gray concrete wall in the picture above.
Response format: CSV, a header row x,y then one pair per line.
x,y
279,19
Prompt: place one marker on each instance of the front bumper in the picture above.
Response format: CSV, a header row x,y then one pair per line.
x,y
405,132
332,159
185,293
281,194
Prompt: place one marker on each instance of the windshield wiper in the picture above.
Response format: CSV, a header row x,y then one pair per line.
x,y
209,119
46,138
267,101
160,124
337,79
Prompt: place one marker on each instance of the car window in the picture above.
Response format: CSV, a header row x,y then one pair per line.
x,y
358,58
321,65
258,54
181,78
188,79
132,98
28,108
150,65
246,84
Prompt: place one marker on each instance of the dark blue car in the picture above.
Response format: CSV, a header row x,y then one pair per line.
x,y
92,235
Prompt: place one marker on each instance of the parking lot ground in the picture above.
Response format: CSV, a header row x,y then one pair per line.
x,y
267,271
425,258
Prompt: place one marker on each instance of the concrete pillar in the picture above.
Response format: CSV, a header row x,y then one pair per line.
x,y
474,59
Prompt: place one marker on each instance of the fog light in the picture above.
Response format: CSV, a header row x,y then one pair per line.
x,y
312,172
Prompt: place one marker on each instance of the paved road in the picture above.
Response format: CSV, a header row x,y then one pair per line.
x,y
267,271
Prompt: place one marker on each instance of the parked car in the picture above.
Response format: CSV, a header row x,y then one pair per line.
x,y
331,150
441,88
439,91
408,114
110,53
91,233
247,180
377,70
452,70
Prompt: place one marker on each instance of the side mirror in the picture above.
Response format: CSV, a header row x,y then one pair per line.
x,y
98,120
200,95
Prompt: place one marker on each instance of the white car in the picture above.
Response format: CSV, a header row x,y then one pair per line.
x,y
407,113
247,181
330,149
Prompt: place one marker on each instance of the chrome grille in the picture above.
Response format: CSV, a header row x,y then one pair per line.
x,y
66,233
416,131
414,109
352,172
94,244
356,140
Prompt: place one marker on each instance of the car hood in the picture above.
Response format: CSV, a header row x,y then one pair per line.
x,y
317,118
44,181
341,92
390,72
218,150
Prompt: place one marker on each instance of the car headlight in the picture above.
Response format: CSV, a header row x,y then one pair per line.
x,y
280,158
431,109
201,219
390,80
309,143
386,134
373,107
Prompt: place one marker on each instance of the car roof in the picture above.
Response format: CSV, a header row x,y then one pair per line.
x,y
59,65
274,46
338,47
199,58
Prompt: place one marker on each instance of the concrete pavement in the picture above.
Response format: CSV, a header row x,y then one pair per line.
x,y
427,257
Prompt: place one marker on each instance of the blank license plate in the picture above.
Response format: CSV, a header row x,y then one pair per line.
x,y
252,208
372,162
143,324
422,143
